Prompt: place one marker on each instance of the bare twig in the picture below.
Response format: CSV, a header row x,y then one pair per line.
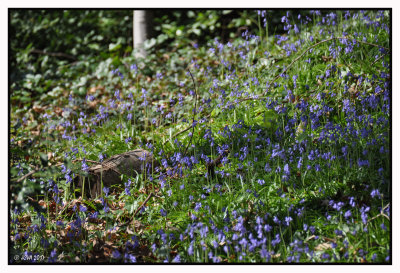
x,y
211,166
144,204
188,128
380,214
137,211
54,54
87,160
27,175
177,134
194,113
383,55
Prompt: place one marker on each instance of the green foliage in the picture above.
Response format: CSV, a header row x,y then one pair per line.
x,y
304,170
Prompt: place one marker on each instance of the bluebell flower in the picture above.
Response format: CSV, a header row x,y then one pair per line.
x,y
82,208
364,215
177,259
190,250
286,169
85,167
296,29
325,256
106,190
351,202
116,254
288,219
197,206
267,228
276,241
375,193
129,258
226,249
53,256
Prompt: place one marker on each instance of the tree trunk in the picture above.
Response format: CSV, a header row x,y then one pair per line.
x,y
142,23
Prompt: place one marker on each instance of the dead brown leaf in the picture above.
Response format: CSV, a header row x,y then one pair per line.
x,y
93,104
38,109
277,255
58,111
327,58
323,246
42,203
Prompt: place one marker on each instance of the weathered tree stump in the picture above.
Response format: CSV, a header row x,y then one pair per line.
x,y
110,170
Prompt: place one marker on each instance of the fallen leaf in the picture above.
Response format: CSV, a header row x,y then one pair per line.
x,y
323,246
38,109
309,238
42,203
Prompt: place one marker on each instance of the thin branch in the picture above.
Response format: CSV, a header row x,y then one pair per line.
x,y
177,134
27,175
87,160
54,54
194,112
211,166
383,55
144,204
137,211
380,214
188,128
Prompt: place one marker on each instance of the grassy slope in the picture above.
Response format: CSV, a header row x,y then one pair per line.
x,y
308,165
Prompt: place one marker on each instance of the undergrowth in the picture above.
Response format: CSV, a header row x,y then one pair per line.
x,y
301,122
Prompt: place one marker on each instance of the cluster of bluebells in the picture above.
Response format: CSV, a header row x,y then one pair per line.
x,y
317,143
260,238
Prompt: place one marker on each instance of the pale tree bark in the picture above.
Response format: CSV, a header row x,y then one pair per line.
x,y
142,25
